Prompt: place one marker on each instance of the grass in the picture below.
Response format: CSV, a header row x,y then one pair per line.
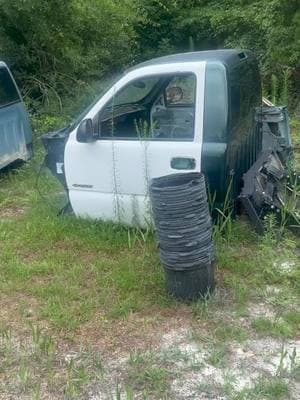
x,y
229,332
285,326
66,280
147,375
41,252
109,268
36,361
295,128
217,355
271,388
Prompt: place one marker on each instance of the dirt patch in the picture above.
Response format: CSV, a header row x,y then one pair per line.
x,y
162,340
11,212
16,310
194,377
259,310
286,266
139,331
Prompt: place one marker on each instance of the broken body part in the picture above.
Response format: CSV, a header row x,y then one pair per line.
x,y
137,131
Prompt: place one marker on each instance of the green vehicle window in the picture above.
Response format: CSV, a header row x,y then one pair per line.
x,y
8,91
215,104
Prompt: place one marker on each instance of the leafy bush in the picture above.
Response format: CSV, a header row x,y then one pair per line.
x,y
271,28
59,49
55,48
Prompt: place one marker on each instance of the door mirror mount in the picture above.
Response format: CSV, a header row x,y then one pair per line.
x,y
85,131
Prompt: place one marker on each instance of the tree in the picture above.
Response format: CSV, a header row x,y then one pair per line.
x,y
55,46
271,28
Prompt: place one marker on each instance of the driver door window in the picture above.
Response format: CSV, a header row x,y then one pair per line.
x,y
181,91
152,108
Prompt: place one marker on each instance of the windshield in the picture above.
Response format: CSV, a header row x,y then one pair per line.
x,y
134,92
138,90
105,86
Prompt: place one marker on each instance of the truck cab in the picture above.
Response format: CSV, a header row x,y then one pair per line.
x,y
15,130
187,112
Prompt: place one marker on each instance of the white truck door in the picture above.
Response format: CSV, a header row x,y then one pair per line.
x,y
149,124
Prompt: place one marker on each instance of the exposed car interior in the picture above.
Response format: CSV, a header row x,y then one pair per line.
x,y
156,108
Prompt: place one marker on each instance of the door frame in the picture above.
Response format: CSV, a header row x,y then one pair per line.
x,y
75,151
197,68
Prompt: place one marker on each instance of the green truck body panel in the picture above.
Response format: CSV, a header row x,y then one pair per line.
x,y
232,137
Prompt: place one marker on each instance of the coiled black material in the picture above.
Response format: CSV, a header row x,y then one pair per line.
x,y
184,232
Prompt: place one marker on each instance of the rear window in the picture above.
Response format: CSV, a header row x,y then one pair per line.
x,y
181,91
215,104
8,91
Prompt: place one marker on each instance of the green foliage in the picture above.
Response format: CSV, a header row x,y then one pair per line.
x,y
58,50
265,388
57,46
118,292
71,278
270,28
145,372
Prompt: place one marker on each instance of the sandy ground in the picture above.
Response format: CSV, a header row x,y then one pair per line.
x,y
193,376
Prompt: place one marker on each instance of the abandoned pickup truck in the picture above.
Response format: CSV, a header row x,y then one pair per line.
x,y
15,130
187,112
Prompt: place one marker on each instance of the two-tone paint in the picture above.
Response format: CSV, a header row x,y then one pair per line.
x,y
106,179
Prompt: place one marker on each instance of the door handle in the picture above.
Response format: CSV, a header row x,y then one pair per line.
x,y
183,163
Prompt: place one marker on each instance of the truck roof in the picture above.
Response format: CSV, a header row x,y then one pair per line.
x,y
2,64
228,57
